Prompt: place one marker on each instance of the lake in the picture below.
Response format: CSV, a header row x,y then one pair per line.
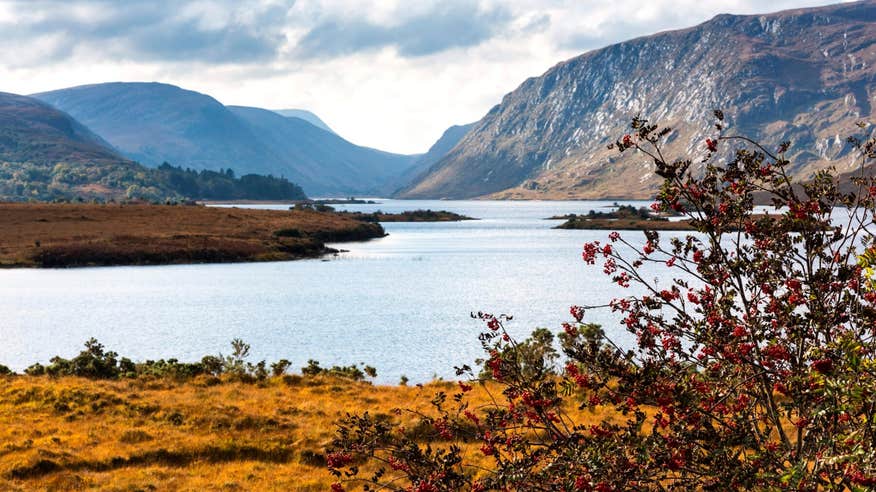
x,y
401,303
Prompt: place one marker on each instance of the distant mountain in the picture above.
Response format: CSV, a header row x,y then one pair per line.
x,y
306,116
802,75
439,149
45,154
322,159
153,123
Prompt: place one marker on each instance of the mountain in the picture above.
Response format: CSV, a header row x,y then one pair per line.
x,y
439,149
154,123
804,75
306,116
322,159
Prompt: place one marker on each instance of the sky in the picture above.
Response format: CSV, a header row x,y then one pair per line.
x,y
390,74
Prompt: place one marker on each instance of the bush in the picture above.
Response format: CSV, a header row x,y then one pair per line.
x,y
93,362
347,372
754,364
235,365
280,367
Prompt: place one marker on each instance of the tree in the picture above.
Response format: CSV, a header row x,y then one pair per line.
x,y
754,365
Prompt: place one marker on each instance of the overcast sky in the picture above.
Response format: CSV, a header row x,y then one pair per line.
x,y
391,74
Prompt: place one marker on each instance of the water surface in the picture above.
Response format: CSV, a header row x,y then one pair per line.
x,y
401,303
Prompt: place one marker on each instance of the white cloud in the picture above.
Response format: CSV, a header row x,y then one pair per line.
x,y
390,74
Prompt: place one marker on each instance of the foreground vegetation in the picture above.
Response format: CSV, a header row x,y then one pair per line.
x,y
99,420
64,235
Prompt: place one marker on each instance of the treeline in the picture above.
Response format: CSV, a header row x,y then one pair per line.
x,y
224,185
119,181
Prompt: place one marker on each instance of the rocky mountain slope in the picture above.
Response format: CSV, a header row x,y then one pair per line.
x,y
153,123
803,75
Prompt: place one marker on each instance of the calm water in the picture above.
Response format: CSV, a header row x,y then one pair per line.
x,y
400,303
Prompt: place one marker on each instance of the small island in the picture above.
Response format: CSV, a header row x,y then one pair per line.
x,y
343,201
76,235
625,217
408,216
381,216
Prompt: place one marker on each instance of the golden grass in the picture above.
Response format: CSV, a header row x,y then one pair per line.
x,y
77,434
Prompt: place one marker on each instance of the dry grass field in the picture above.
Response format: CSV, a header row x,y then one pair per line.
x,y
84,234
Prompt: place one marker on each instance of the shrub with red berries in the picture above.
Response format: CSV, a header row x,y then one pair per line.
x,y
753,366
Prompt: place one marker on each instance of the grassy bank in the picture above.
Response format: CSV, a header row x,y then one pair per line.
x,y
64,235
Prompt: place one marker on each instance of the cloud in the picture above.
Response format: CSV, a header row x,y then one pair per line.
x,y
448,25
164,30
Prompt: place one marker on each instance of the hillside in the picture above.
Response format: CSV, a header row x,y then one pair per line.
x,y
154,123
46,154
305,115
803,75
33,131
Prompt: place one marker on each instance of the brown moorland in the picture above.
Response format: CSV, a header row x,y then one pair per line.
x,y
64,235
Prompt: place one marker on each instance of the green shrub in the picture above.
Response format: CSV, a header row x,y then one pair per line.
x,y
36,370
280,367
